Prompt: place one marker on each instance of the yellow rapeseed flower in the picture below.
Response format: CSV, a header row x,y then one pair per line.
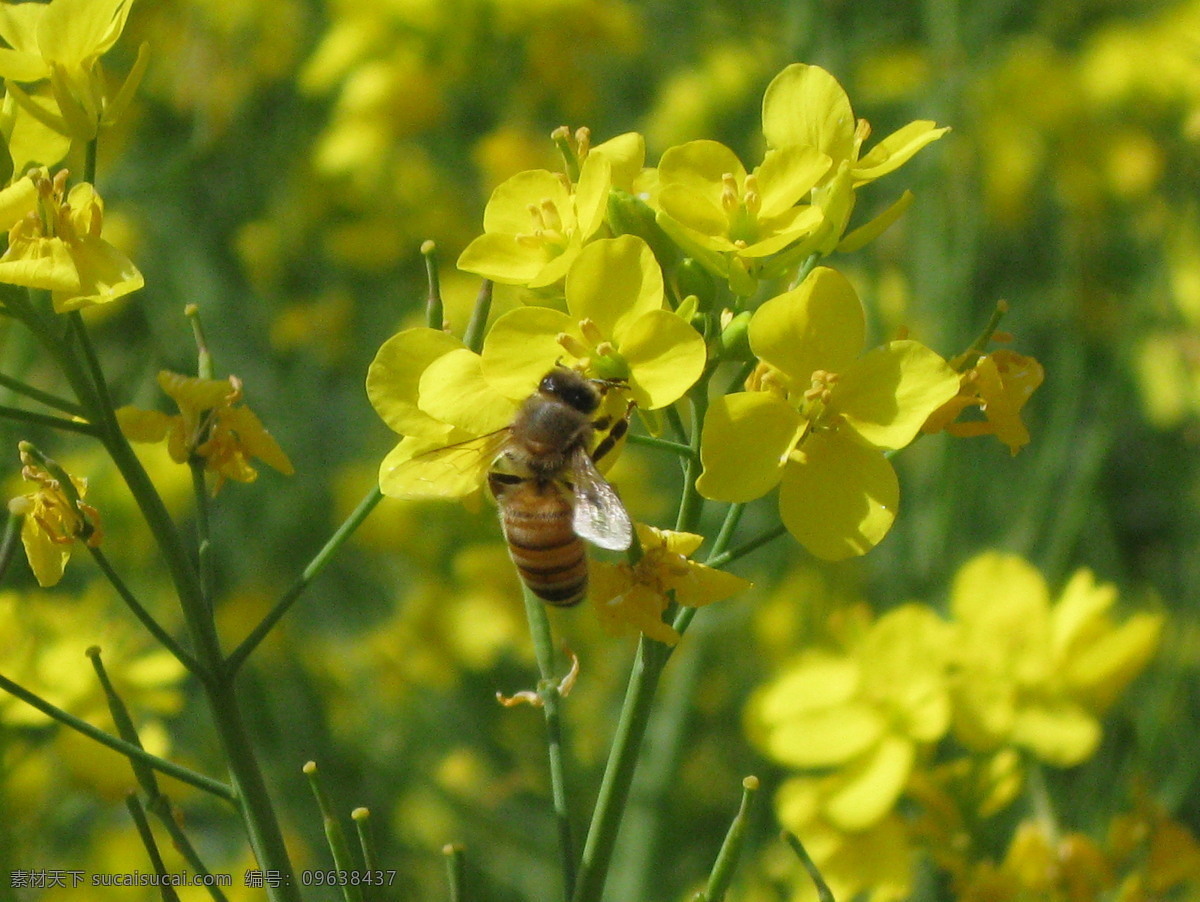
x,y
999,384
1037,674
54,243
55,517
211,425
633,597
819,417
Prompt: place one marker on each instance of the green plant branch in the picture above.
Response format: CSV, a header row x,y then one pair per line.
x,y
731,848
48,420
166,891
8,545
204,561
824,894
548,692
648,665
662,444
314,567
727,557
163,766
36,394
147,619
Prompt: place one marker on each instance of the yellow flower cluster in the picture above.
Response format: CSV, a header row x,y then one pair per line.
x,y
1011,677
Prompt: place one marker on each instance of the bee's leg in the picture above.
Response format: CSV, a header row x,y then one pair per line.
x,y
615,434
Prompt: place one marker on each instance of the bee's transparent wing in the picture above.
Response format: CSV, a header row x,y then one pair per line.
x,y
422,467
600,517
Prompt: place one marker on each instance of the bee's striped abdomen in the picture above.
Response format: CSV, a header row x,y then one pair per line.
x,y
537,520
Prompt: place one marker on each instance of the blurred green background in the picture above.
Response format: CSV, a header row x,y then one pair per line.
x,y
281,167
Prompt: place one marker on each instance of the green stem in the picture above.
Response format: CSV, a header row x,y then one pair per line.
x,y
435,314
477,326
548,692
166,891
691,505
163,766
648,665
731,848
89,160
727,557
454,871
45,419
824,894
8,545
203,533
36,394
315,566
662,444
147,619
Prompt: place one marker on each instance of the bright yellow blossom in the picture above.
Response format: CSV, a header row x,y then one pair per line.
x,y
731,220
536,222
615,327
210,426
819,418
61,42
54,243
1035,674
634,596
54,518
805,106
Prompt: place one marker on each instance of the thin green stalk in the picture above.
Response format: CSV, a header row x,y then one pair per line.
x,y
548,692
9,544
252,799
362,826
691,505
731,848
16,386
147,836
203,532
48,420
89,159
335,837
315,566
824,894
163,766
455,868
648,665
156,629
477,326
662,444
435,314
728,557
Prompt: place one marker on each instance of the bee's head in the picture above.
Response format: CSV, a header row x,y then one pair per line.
x,y
571,388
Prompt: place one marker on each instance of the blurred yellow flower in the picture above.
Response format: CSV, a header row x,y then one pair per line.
x,y
819,418
210,426
62,42
866,713
54,243
54,518
633,597
1035,674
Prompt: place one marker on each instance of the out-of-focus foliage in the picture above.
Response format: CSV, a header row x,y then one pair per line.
x,y
279,167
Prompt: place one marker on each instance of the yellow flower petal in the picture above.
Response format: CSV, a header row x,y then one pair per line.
x,y
700,167
395,374
143,425
868,789
665,355
19,198
47,558
411,471
817,326
522,346
888,394
745,445
806,105
895,150
786,176
839,498
1098,674
613,282
1061,734
453,389
825,737
502,258
904,663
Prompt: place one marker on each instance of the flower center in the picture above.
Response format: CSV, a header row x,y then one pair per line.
x,y
595,352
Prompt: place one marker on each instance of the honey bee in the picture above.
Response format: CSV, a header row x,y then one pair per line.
x,y
542,472
550,494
